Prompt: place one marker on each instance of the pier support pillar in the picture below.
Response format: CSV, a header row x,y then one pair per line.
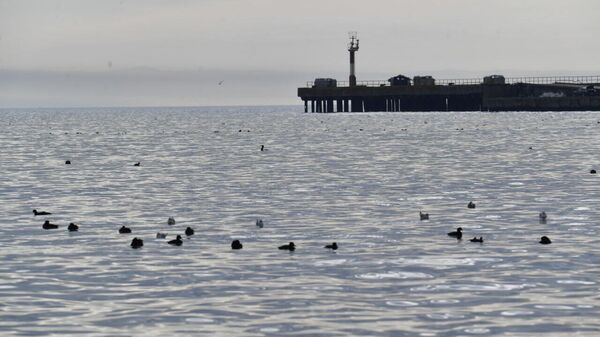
x,y
305,106
355,105
378,104
370,104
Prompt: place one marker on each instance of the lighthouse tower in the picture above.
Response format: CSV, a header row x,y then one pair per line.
x,y
352,47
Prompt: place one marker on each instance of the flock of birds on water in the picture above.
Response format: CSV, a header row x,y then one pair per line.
x,y
236,244
178,241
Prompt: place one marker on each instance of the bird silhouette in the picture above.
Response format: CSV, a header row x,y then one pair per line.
x,y
177,241
137,243
291,247
236,244
457,234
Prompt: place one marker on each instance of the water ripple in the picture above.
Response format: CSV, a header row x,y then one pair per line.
x,y
321,180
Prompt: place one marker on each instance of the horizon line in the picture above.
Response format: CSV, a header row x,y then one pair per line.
x,y
153,106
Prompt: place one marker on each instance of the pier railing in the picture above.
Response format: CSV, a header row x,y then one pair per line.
x,y
575,80
580,80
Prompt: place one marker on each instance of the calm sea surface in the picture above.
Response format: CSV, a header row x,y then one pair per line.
x,y
357,179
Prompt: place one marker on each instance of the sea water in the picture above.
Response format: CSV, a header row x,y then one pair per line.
x,y
357,179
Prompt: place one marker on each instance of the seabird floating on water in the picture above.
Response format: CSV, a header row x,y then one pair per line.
x,y
124,230
48,225
457,234
290,246
177,241
137,243
236,244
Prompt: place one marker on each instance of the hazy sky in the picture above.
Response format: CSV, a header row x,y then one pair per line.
x,y
151,52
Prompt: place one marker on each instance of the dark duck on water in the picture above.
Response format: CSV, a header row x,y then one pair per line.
x,y
457,234
48,225
137,243
35,213
124,230
290,246
177,241
236,244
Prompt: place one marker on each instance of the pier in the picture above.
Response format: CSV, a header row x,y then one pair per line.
x,y
425,93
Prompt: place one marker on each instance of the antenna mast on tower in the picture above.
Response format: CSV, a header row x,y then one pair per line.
x,y
352,47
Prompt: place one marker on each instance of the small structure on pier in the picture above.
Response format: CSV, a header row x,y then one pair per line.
x,y
352,48
420,81
399,80
325,83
